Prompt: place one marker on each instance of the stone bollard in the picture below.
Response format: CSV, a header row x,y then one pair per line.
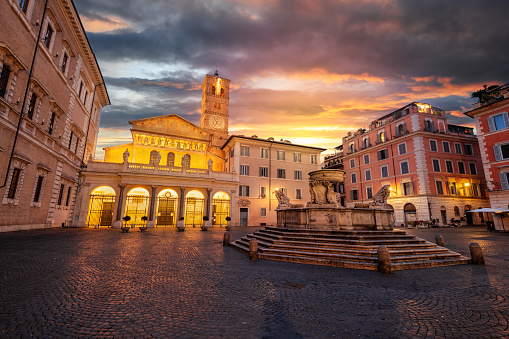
x,y
384,260
226,239
439,240
253,249
476,254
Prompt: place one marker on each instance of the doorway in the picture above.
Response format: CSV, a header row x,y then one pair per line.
x,y
244,215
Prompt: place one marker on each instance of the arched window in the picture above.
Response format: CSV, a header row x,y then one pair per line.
x,y
222,92
213,90
170,159
155,158
100,207
382,136
186,161
401,129
365,142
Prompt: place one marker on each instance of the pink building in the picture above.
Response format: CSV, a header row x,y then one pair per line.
x,y
492,125
434,169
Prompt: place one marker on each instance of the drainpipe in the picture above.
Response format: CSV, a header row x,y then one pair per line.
x,y
26,93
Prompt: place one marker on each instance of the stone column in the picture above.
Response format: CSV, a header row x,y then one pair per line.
x,y
209,203
182,202
118,219
151,222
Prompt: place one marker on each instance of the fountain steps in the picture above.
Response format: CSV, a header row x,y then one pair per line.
x,y
349,249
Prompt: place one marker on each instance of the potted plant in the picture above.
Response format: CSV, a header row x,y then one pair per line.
x,y
229,225
144,228
125,228
180,225
206,223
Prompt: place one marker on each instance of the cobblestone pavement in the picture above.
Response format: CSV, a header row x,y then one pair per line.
x,y
85,283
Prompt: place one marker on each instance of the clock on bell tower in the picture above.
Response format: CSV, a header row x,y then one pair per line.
x,y
215,107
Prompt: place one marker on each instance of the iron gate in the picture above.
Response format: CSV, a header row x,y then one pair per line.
x,y
100,210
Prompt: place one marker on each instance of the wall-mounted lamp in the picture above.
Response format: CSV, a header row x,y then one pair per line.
x,y
42,123
17,101
56,56
37,22
70,78
467,184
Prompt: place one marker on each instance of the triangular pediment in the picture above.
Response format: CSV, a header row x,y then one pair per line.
x,y
170,125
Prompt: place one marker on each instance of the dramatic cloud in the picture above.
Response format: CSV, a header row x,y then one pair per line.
x,y
305,70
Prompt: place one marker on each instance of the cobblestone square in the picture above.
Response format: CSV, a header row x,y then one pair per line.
x,y
86,283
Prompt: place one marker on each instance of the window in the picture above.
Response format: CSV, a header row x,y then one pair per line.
x,y
351,148
448,166
264,172
313,159
244,169
51,123
436,165
298,193
170,159
70,139
501,152
452,188
185,162
380,137
498,122
61,194
461,167
383,154
31,106
407,188
367,174
48,36
4,80
366,159
447,148
354,195
473,168
352,163
244,150
297,174
38,188
68,198
264,153
23,4
440,187
263,191
433,145
244,191
65,59
280,155
402,149
457,148
468,149
81,89
263,212
365,143
13,188
155,158
369,192
404,167
85,98
354,178
297,157
281,173
385,171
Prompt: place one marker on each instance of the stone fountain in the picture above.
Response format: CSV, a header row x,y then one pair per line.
x,y
324,212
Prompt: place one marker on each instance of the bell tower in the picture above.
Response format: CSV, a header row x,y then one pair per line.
x,y
215,107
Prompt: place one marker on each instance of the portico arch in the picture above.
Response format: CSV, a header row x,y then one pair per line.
x,y
136,205
194,208
220,208
167,202
410,213
100,207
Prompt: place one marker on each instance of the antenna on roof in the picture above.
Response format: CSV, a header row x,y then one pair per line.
x,y
217,72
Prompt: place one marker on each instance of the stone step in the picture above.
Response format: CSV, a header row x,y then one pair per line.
x,y
365,251
346,232
366,236
429,263
411,240
322,261
339,245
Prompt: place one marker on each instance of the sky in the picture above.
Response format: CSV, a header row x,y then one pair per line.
x,y
308,71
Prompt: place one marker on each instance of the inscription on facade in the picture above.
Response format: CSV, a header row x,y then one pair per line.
x,y
171,143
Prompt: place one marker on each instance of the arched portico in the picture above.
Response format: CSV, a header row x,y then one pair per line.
x,y
220,208
136,206
194,208
410,213
167,203
100,207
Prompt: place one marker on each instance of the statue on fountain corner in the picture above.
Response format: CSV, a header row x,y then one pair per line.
x,y
380,198
283,200
322,192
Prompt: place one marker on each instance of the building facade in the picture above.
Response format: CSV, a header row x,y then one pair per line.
x,y
264,166
492,125
433,169
51,95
